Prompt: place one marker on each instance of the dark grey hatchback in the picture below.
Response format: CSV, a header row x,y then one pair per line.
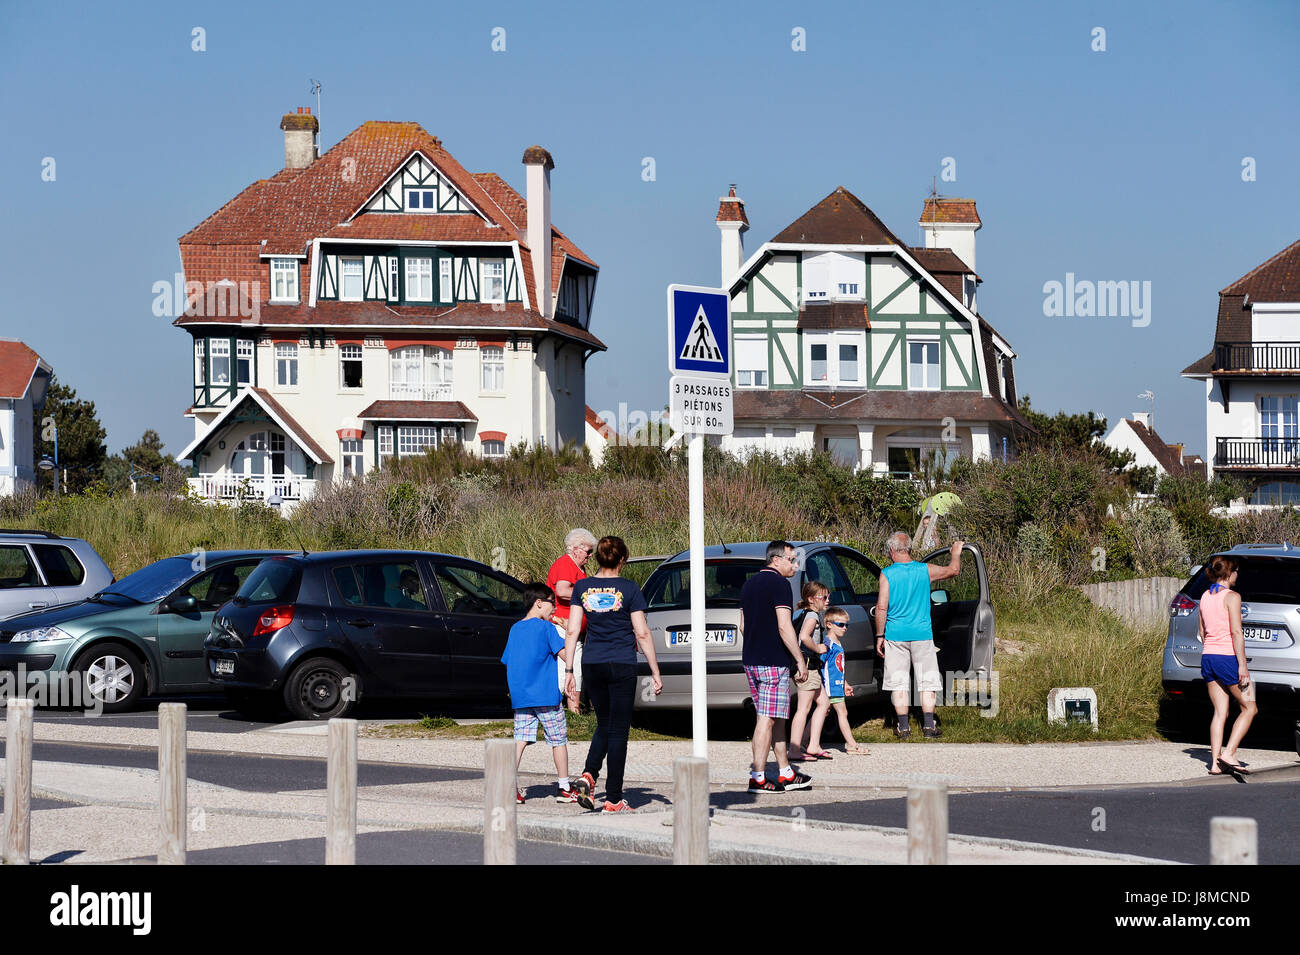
x,y
314,632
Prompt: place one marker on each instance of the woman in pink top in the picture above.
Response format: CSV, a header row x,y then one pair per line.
x,y
1223,664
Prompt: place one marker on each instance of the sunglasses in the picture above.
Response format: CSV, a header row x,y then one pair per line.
x,y
837,623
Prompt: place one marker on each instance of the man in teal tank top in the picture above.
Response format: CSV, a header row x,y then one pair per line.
x,y
904,636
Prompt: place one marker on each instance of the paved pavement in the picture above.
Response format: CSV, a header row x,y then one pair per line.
x,y
256,794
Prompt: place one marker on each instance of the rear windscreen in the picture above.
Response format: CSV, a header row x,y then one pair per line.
x,y
273,581
669,588
1259,580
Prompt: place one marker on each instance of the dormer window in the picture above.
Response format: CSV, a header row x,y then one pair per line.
x,y
419,280
421,200
284,280
848,289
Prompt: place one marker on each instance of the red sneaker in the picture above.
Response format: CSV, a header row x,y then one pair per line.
x,y
620,806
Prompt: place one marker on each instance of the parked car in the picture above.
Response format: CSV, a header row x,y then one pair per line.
x,y
141,635
317,632
961,611
1268,579
39,570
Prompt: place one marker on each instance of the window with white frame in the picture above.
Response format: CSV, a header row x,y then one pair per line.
x,y
847,289
415,439
392,278
200,361
353,457
351,282
384,440
286,365
849,367
923,364
220,349
350,365
492,276
420,373
751,362
444,279
493,359
834,359
494,449
421,200
818,367
244,361
1277,419
419,280
284,280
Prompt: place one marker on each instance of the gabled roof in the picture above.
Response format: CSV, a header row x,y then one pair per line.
x,y
18,364
1277,280
275,411
839,219
1167,455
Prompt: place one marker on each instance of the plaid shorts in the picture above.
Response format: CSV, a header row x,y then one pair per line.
x,y
553,724
770,689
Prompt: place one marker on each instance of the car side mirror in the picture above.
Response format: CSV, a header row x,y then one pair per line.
x,y
938,596
184,603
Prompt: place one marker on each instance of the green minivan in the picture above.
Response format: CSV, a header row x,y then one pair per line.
x,y
142,635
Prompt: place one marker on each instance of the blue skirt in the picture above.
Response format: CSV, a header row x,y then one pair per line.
x,y
1220,668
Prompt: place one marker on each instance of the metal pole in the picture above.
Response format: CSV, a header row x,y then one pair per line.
x,y
18,783
927,825
341,789
500,823
1234,841
172,774
690,811
699,675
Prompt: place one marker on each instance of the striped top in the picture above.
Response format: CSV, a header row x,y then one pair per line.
x,y
1218,632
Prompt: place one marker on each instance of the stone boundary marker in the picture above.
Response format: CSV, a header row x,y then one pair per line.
x,y
1143,602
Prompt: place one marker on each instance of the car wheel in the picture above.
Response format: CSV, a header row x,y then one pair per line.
x,y
319,689
112,676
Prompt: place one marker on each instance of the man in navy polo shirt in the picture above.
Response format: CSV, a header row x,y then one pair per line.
x,y
770,648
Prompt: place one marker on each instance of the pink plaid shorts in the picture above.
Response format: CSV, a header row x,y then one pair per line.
x,y
770,689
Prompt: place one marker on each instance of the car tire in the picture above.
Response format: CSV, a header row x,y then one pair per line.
x,y
317,690
113,674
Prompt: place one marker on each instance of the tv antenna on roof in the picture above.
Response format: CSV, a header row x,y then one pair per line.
x,y
315,88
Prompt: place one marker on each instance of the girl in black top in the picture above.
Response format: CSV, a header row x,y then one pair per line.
x,y
814,598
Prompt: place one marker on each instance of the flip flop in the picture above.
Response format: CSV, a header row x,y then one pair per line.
x,y
802,758
1235,768
822,755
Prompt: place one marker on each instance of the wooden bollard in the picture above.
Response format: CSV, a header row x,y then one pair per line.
x,y
18,783
927,825
341,793
1234,840
173,815
500,822
690,811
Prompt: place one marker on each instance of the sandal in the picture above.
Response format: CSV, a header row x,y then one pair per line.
x,y
821,754
858,751
1234,768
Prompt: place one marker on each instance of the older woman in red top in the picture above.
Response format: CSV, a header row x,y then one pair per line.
x,y
564,573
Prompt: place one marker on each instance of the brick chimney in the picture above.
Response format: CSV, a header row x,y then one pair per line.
x,y
300,131
733,223
951,224
538,196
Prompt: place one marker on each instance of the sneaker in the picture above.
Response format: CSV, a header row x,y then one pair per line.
x,y
931,732
796,780
766,786
519,796
903,733
584,783
620,806
565,795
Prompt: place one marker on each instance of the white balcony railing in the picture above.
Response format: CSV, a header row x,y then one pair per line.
x,y
404,392
230,487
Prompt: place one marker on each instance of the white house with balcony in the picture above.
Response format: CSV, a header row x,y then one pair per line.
x,y
1252,383
375,302
849,341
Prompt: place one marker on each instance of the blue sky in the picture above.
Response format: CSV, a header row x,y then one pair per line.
x,y
1117,165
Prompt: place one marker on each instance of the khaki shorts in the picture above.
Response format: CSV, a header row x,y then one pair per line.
x,y
905,657
812,684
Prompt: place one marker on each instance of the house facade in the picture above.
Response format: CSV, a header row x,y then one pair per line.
x,y
1138,436
24,382
1252,383
376,301
849,341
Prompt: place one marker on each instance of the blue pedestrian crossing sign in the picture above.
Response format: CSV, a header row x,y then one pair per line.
x,y
699,331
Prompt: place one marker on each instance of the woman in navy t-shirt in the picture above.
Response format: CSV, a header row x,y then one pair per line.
x,y
614,611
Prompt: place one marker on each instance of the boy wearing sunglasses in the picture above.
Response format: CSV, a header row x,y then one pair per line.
x,y
837,620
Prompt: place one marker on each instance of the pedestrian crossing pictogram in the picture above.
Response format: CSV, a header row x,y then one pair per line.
x,y
700,343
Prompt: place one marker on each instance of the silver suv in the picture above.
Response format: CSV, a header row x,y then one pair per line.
x,y
1268,580
39,570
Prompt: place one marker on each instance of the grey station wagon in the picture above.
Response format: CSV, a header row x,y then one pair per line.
x,y
40,570
961,613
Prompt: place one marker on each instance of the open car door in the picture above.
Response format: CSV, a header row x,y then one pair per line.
x,y
961,613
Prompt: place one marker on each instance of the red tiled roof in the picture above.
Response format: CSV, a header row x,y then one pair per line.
x,y
417,411
963,406
600,424
732,209
17,365
939,261
399,226
1169,456
839,219
1277,280
943,209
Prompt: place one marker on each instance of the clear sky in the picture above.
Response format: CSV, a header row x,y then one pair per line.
x,y
1122,164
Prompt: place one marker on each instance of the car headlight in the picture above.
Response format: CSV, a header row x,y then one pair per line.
x,y
40,635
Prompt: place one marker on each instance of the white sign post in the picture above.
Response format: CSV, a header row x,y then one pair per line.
x,y
699,359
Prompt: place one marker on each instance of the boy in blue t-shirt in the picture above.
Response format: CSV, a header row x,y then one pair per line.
x,y
530,656
833,682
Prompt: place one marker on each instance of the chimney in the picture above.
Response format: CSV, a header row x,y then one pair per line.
x,y
733,223
300,131
1143,418
538,197
951,224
